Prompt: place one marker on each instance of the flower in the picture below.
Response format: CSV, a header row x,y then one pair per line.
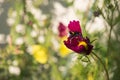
x,y
62,30
76,41
90,76
10,21
15,70
74,26
40,54
19,41
20,29
34,33
63,50
41,39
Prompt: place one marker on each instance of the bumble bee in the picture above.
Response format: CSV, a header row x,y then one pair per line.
x,y
75,34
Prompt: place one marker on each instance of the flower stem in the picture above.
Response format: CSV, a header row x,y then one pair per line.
x,y
106,71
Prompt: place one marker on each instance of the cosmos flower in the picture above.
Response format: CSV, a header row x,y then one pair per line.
x,y
62,30
76,41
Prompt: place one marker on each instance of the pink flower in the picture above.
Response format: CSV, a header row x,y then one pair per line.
x,y
76,41
74,26
62,30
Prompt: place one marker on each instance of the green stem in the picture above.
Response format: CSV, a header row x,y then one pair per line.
x,y
106,71
109,37
24,10
24,4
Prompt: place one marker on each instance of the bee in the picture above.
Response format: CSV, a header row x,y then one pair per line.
x,y
72,34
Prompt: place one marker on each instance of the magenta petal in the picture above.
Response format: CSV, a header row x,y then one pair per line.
x,y
78,49
74,26
62,30
61,27
67,43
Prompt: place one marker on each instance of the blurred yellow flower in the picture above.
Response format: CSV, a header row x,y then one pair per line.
x,y
40,54
90,76
36,48
63,50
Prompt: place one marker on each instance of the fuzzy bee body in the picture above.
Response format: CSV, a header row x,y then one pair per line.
x,y
72,34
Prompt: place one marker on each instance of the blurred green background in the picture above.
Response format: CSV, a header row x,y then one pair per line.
x,y
31,47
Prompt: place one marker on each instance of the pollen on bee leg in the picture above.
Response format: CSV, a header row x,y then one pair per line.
x,y
71,33
83,43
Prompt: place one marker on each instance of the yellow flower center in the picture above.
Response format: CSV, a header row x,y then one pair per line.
x,y
83,44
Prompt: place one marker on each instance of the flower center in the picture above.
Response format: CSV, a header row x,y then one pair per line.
x,y
83,44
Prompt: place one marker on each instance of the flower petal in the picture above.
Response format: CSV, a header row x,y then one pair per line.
x,y
62,30
74,26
